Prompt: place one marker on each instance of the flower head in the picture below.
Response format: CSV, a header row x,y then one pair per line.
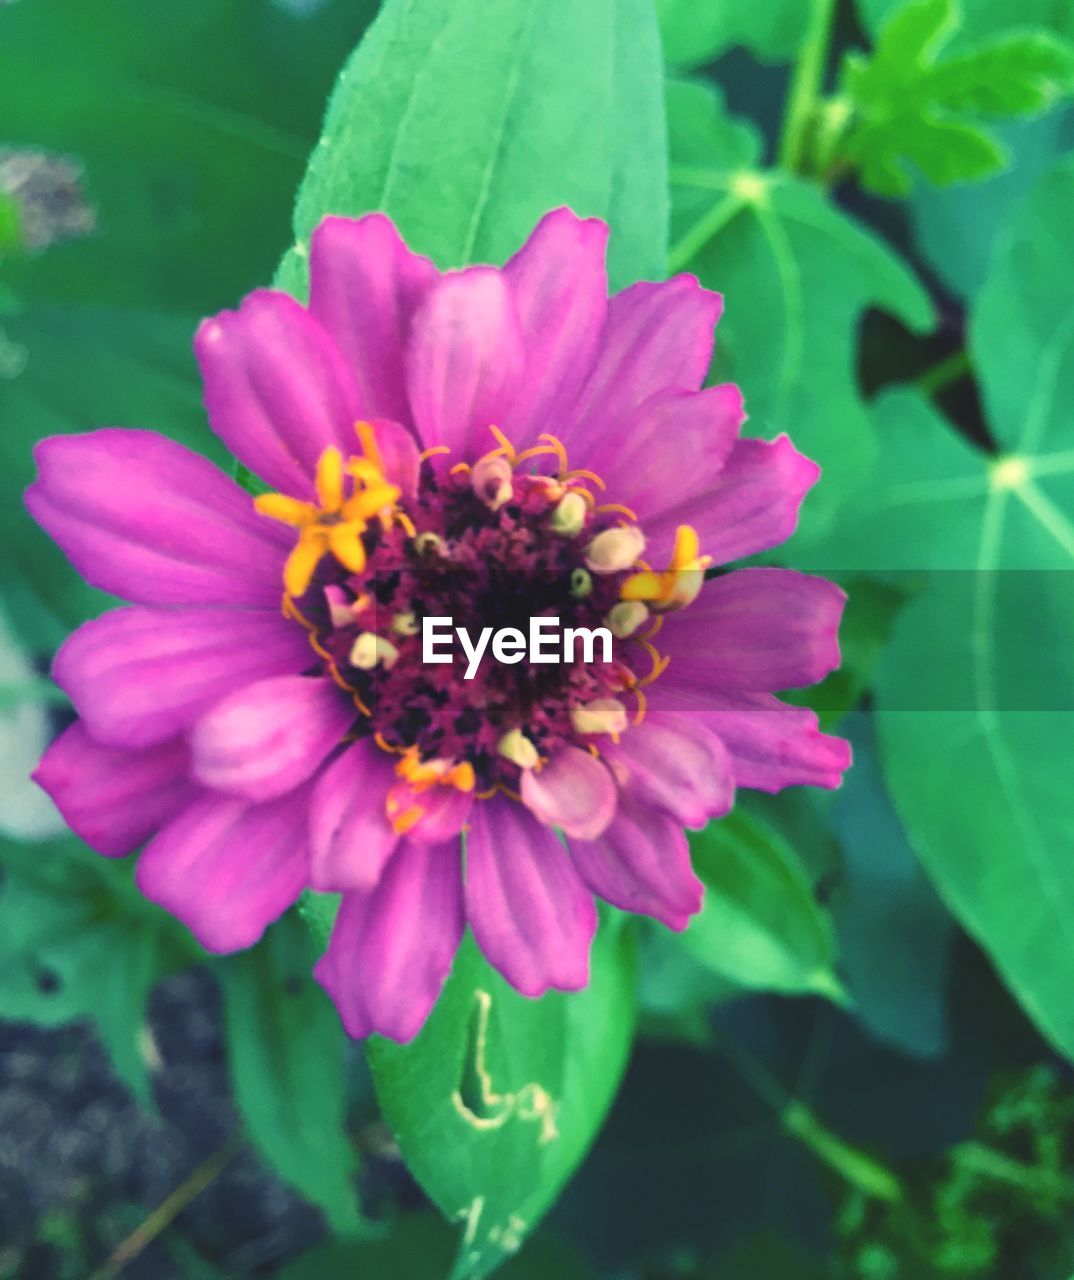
x,y
492,446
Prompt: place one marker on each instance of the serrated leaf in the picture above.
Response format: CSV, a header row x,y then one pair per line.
x,y
976,690
697,31
465,122
915,110
80,942
760,925
286,1052
796,274
982,18
497,1099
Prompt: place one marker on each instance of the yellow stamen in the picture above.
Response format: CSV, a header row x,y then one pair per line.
x,y
432,452
676,586
505,445
402,822
368,438
591,476
335,526
277,506
617,506
329,480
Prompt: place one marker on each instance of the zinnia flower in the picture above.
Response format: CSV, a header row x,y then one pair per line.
x,y
486,445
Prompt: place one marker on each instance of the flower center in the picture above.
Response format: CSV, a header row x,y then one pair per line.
x,y
514,537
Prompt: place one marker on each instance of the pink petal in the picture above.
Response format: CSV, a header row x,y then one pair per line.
x,y
364,287
399,452
265,739
573,791
277,390
464,361
676,763
141,516
561,289
139,676
530,912
756,629
114,800
754,502
392,948
228,868
774,745
667,463
642,863
657,337
443,811
351,838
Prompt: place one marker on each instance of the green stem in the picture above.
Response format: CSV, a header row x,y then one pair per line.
x,y
941,375
806,85
855,1167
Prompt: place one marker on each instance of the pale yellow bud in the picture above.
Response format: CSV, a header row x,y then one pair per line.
x,y
370,649
626,617
516,747
602,715
615,549
569,515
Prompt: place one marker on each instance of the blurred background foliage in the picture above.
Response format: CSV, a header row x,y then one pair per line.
x,y
856,1062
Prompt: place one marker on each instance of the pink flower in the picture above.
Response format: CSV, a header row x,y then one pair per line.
x,y
486,445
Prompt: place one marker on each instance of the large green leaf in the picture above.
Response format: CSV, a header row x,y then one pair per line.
x,y
797,274
286,1051
467,121
976,692
761,925
894,935
956,227
696,31
80,942
498,1098
914,107
192,121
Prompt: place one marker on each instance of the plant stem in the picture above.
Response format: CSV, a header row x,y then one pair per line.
x,y
806,85
941,375
855,1167
164,1214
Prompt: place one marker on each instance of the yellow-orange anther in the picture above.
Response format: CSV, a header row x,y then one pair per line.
x,y
336,522
676,586
423,774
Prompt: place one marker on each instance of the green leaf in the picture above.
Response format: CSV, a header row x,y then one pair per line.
x,y
697,31
79,941
797,275
465,122
192,122
10,232
894,935
912,109
420,1247
497,1099
982,18
956,227
978,682
83,368
286,1051
761,925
